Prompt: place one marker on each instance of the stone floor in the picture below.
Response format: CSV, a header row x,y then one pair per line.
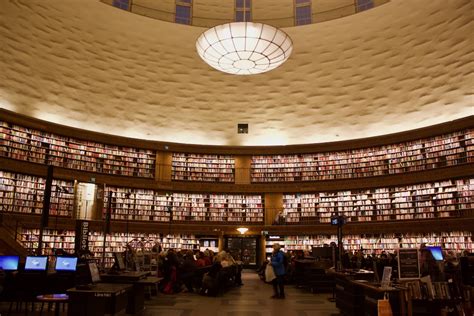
x,y
251,299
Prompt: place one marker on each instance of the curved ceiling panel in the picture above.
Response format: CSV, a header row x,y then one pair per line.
x,y
403,65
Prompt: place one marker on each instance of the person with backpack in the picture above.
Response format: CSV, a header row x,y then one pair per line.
x,y
278,263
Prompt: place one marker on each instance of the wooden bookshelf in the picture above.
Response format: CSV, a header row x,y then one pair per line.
x,y
449,198
117,242
429,153
46,148
189,207
136,205
52,239
200,167
148,205
270,240
376,243
22,193
62,198
236,208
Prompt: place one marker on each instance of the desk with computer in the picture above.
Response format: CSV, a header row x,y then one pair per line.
x,y
80,281
25,280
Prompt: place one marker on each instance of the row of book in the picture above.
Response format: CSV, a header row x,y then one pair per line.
x,y
425,289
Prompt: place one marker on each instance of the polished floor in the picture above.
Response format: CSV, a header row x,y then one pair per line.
x,y
251,299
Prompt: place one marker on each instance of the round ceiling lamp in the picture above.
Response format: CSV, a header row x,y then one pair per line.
x,y
244,48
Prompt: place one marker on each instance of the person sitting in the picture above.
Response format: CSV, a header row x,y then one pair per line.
x,y
156,248
210,281
207,257
187,271
225,259
129,255
200,262
170,266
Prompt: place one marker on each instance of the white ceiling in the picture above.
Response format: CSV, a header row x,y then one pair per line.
x,y
82,63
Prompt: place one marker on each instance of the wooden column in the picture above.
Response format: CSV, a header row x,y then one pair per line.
x,y
242,169
273,205
163,166
262,253
221,241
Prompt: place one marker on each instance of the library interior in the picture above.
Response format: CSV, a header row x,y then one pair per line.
x,y
239,157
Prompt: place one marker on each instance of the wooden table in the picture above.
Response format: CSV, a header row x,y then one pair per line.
x,y
151,282
356,295
104,298
137,295
124,277
53,298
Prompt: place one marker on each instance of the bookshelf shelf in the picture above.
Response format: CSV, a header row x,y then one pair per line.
x,y
449,198
454,240
207,168
52,239
148,205
21,193
46,148
116,242
430,153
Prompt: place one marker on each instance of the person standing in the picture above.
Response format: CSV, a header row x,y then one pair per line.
x,y
278,264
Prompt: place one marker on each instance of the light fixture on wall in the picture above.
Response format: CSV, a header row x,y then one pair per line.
x,y
242,230
244,48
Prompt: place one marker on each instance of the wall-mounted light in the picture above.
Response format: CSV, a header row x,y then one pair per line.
x,y
242,230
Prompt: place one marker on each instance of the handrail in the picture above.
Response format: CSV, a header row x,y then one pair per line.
x,y
317,17
8,226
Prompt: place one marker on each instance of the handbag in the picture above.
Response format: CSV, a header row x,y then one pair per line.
x,y
269,273
383,307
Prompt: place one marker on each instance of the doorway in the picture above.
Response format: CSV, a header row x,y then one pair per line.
x,y
244,249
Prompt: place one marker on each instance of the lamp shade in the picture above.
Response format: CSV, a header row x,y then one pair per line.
x,y
244,48
242,230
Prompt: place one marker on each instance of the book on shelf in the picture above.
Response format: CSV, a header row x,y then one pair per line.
x,y
48,148
200,167
423,154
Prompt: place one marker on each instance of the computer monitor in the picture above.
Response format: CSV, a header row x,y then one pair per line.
x,y
95,275
338,220
119,263
436,252
66,264
9,263
39,263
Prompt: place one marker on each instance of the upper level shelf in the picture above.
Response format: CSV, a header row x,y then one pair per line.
x,y
207,168
435,147
448,198
430,153
46,148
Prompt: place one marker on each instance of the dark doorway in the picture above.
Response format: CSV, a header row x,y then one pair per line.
x,y
244,249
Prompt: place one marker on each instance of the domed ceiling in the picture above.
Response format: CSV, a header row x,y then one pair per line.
x,y
83,63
